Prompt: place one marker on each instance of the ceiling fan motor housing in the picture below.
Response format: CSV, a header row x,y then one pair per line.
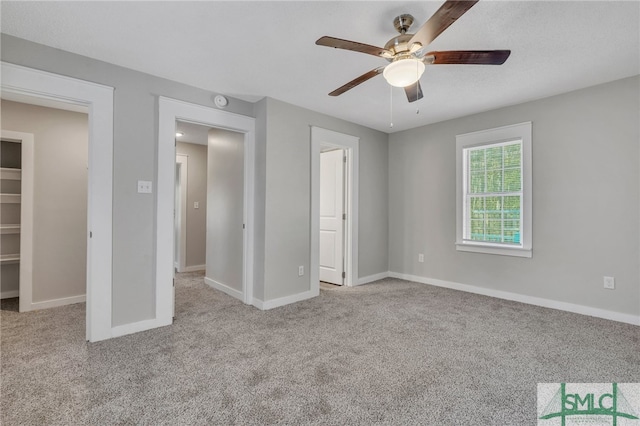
x,y
403,22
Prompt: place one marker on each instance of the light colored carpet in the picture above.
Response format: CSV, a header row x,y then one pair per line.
x,y
392,352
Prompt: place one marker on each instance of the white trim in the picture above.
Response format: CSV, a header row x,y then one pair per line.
x,y
54,303
194,268
10,294
328,138
488,249
371,278
521,131
99,99
183,161
282,301
136,327
530,300
171,110
223,288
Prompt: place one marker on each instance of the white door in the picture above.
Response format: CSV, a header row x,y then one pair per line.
x,y
331,216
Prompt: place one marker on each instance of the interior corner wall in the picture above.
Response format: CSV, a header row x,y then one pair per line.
x,y
225,208
260,191
286,133
196,192
586,200
134,158
60,197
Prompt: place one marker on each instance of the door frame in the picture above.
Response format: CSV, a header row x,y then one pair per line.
x,y
171,110
350,144
182,161
98,98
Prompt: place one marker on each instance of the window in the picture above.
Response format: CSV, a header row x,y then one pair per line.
x,y
494,191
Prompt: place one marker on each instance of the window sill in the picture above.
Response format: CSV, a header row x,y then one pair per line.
x,y
503,251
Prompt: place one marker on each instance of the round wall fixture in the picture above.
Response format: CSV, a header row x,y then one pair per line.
x,y
221,101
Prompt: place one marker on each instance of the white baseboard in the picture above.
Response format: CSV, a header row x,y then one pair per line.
x,y
136,327
530,300
46,304
371,278
275,303
194,268
10,294
224,288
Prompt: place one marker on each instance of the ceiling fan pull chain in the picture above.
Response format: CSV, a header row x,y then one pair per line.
x,y
417,88
390,106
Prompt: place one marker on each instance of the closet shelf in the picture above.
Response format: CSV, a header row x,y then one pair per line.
x,y
10,174
10,258
10,198
10,229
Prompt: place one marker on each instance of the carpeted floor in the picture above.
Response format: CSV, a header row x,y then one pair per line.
x,y
391,352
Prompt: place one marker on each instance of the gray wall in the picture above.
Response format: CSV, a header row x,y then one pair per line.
x,y
225,207
260,191
585,195
284,145
135,149
196,191
60,196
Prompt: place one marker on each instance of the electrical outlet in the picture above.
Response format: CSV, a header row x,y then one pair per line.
x,y
609,283
421,258
144,187
196,205
300,271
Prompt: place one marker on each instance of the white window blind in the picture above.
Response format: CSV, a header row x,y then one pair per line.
x,y
493,193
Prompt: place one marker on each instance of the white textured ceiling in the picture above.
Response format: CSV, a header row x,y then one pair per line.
x,y
255,49
192,133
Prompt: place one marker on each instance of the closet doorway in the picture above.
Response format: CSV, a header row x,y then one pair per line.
x,y
34,87
45,200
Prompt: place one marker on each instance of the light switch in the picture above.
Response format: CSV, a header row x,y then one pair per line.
x,y
196,205
144,186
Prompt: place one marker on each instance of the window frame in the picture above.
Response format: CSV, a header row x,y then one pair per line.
x,y
499,135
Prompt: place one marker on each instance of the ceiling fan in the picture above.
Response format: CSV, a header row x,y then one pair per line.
x,y
406,54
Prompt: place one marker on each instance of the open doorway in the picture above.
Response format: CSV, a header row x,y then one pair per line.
x,y
229,201
34,87
209,206
180,212
191,197
44,205
334,208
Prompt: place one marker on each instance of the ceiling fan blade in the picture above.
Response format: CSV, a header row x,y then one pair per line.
x,y
339,43
448,13
414,92
470,57
353,83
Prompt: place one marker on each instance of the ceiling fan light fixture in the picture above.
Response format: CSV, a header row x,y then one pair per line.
x,y
403,72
